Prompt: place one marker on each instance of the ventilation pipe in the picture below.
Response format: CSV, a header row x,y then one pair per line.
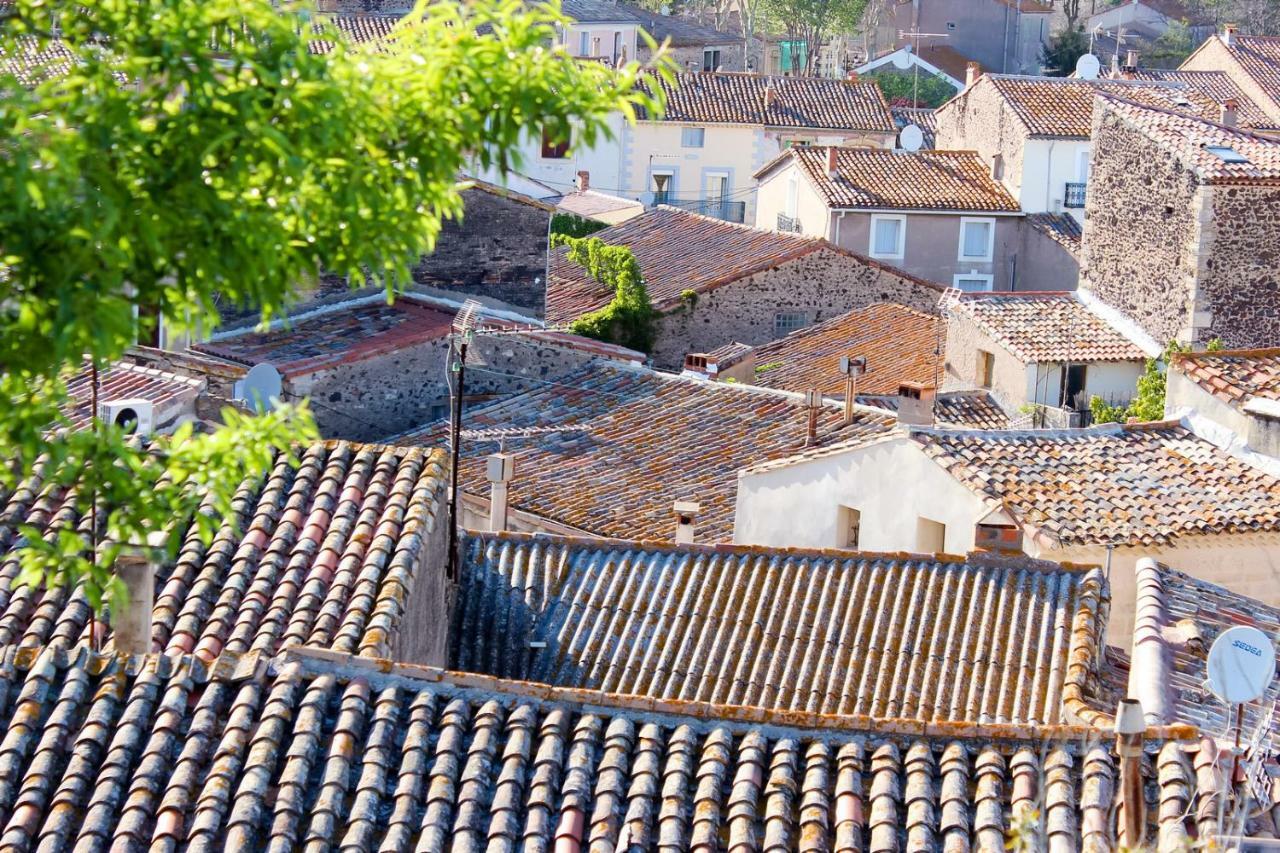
x,y
499,469
686,521
1130,729
136,567
812,402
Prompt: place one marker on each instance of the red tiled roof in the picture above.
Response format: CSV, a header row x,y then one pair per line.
x,y
35,60
1191,140
1063,107
642,441
1234,376
1047,326
591,203
1259,57
900,344
1217,85
797,102
340,335
1141,484
962,409
1062,228
124,381
902,180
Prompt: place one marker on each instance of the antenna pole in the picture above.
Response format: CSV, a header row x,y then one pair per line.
x,y
454,447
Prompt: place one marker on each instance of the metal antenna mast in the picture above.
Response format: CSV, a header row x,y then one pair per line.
x,y
914,37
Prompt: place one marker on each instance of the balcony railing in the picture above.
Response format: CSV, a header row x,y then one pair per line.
x,y
788,224
729,211
1074,195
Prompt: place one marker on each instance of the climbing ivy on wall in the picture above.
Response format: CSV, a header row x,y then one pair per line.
x,y
629,319
571,225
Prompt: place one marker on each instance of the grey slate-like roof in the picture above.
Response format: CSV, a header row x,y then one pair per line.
x,y
885,636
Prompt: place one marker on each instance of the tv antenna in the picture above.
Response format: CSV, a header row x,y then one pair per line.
x,y
914,37
463,331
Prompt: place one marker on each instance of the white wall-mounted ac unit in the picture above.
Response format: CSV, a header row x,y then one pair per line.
x,y
138,417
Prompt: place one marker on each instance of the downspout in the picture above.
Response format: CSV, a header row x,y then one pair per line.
x,y
1048,175
1004,58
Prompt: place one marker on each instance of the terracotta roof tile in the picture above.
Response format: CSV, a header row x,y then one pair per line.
x,y
901,345
1235,376
357,29
1217,85
1259,57
826,632
642,441
316,555
1062,228
1142,484
964,409
310,752
923,118
36,60
592,203
1047,326
1241,157
820,103
903,180
1063,107
123,381
340,335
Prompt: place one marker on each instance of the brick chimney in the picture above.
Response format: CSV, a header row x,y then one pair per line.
x,y
1229,116
812,404
499,469
584,180
832,154
852,76
1229,34
686,518
972,72
915,404
699,364
136,566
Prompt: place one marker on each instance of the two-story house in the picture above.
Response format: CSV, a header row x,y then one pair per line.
x,y
1253,62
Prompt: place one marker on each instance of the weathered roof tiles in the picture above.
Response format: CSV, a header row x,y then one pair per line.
x,y
1047,327
1234,376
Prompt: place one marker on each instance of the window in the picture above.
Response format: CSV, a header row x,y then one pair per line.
x,y
997,166
1226,154
1083,164
553,149
595,46
662,185
786,322
931,536
888,236
977,239
584,44
972,282
617,47
793,196
986,368
692,137
711,59
850,521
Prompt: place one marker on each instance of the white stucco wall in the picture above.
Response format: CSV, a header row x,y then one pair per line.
x,y
736,151
627,37
811,209
893,484
1047,166
603,161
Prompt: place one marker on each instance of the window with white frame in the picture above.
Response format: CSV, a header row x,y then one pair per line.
x,y
662,186
850,527
692,137
888,236
971,282
711,59
793,196
977,239
786,322
584,44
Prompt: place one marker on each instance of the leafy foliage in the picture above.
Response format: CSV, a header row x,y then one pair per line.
x,y
236,164
571,225
900,88
629,319
811,21
1060,54
1148,404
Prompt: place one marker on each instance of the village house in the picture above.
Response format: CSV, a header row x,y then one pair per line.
x,y
1182,235
1047,354
1217,85
692,46
1034,133
714,282
1233,390
938,60
939,215
152,400
1252,62
1003,35
1109,494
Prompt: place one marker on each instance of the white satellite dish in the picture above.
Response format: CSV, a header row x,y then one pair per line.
x,y
1088,66
902,59
911,138
261,387
1242,664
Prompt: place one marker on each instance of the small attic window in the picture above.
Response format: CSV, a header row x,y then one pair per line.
x,y
1226,154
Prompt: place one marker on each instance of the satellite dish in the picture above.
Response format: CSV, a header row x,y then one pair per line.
x,y
902,59
261,387
1087,67
911,138
1242,664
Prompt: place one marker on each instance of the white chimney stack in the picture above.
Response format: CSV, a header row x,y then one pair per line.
x,y
136,566
499,469
1229,34
972,72
686,518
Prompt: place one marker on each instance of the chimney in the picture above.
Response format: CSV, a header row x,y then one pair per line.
x,y
1131,727
851,76
832,152
972,72
1228,116
770,96
851,367
699,364
584,180
812,403
686,516
1229,34
1131,60
136,566
1115,64
915,404
499,469
998,537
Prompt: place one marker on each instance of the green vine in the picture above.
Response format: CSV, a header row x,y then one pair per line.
x,y
629,319
572,225
689,298
1148,404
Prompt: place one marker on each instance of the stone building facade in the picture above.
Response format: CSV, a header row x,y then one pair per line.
x,y
805,290
498,249
1181,250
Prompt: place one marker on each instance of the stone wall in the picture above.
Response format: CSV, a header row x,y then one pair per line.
x,y
1238,290
960,367
498,250
821,284
978,119
1141,231
690,57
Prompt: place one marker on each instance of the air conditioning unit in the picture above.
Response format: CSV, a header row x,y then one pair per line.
x,y
138,417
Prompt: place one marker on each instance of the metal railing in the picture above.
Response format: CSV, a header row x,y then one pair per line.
x,y
1074,196
729,211
788,224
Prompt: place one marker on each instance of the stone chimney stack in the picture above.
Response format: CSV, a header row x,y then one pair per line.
x,y
972,72
1229,34
136,566
499,469
1229,115
915,404
832,154
686,518
584,180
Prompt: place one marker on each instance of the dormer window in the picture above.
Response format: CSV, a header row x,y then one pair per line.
x,y
1226,154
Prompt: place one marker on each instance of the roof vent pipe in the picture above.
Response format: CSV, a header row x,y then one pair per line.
x,y
499,469
1130,729
686,519
812,402
136,566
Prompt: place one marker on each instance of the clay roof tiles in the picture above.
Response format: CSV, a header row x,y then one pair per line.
x,y
879,178
819,103
901,345
125,381
925,639
922,117
1259,57
1234,376
1047,326
36,60
1062,228
963,409
1217,85
680,31
323,554
635,441
309,751
1141,484
1217,154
